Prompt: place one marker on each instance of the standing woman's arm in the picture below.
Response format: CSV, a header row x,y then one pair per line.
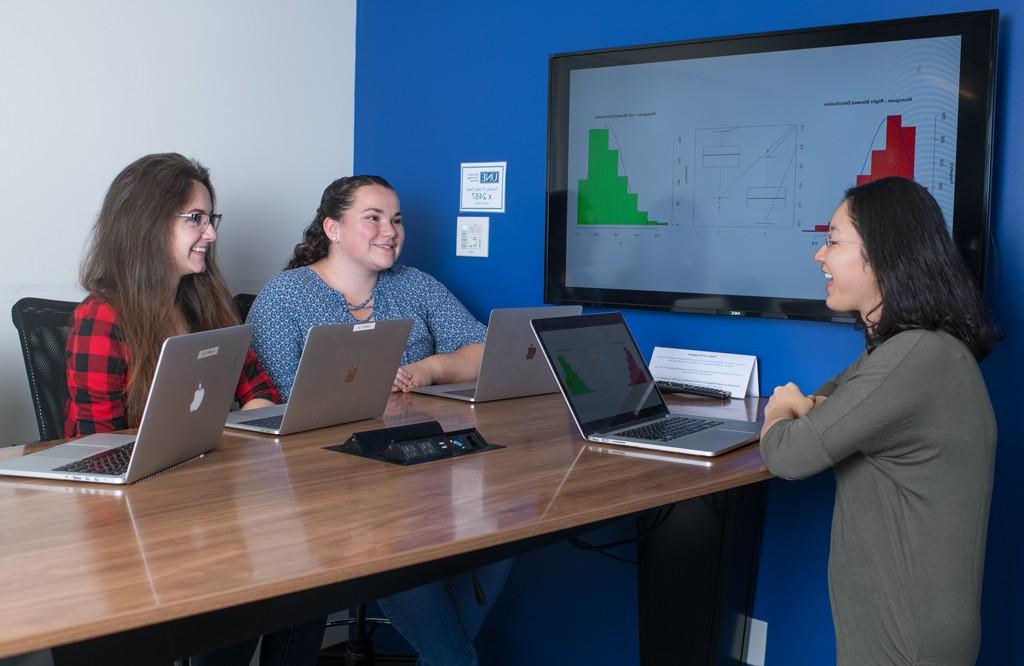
x,y
869,402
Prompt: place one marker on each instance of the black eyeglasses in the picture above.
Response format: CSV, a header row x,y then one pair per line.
x,y
199,221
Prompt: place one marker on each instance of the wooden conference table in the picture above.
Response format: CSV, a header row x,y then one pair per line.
x,y
264,532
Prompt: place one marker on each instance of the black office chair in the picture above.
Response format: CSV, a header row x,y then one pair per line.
x,y
43,328
242,303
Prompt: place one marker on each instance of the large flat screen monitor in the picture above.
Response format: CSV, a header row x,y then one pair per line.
x,y
700,176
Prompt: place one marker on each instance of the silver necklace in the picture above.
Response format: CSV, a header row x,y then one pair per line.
x,y
350,307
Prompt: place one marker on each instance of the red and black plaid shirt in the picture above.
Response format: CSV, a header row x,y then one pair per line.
x,y
97,371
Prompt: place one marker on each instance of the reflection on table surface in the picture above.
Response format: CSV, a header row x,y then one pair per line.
x,y
262,516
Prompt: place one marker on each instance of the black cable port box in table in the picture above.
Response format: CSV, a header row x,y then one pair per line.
x,y
414,443
667,386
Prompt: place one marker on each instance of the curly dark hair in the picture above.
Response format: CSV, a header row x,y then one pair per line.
x,y
337,198
921,274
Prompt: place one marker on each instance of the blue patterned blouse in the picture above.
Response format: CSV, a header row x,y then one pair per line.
x,y
297,299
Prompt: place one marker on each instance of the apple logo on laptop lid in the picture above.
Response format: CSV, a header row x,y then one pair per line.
x,y
197,398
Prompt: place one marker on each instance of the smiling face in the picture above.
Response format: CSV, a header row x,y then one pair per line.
x,y
370,233
851,283
188,244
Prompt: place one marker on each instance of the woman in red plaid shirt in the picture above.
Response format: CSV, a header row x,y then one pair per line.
x,y
151,273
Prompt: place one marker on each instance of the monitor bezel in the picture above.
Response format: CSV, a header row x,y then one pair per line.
x,y
972,193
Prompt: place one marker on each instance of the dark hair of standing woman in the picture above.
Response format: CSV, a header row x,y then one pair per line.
x,y
337,198
129,264
921,274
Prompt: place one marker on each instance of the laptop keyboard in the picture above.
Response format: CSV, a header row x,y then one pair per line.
x,y
666,429
271,422
113,462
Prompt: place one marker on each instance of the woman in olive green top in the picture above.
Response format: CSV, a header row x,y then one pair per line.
x,y
908,430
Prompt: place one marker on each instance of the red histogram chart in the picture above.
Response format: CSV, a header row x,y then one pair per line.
x,y
897,158
636,374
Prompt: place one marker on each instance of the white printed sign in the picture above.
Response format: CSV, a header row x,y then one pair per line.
x,y
736,373
483,187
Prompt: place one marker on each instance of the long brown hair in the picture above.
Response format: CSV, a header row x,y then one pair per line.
x,y
337,198
129,265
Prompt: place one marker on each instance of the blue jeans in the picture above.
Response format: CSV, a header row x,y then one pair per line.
x,y
294,646
442,619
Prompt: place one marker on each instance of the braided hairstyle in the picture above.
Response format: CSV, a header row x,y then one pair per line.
x,y
337,198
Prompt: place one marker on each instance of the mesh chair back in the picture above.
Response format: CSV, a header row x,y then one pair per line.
x,y
243,302
43,328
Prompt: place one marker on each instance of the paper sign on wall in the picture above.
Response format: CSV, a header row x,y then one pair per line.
x,y
483,187
736,373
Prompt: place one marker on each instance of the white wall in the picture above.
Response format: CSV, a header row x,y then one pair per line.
x,y
260,91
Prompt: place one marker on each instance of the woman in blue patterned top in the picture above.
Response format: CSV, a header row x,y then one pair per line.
x,y
344,271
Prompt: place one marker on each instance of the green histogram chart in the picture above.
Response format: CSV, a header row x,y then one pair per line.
x,y
573,382
604,196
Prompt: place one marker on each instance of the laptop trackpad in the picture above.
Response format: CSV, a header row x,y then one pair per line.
x,y
77,450
256,414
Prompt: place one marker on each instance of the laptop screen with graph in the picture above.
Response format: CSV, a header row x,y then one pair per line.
x,y
601,371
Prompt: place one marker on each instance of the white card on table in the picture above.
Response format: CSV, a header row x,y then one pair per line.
x,y
736,373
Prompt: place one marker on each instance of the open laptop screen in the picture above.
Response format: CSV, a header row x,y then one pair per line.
x,y
602,375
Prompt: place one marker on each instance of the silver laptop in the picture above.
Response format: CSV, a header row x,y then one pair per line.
x,y
345,374
612,396
192,390
510,367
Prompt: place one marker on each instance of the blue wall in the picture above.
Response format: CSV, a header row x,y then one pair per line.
x,y
444,82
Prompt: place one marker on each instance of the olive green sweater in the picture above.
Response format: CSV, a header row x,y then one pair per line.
x,y
910,433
